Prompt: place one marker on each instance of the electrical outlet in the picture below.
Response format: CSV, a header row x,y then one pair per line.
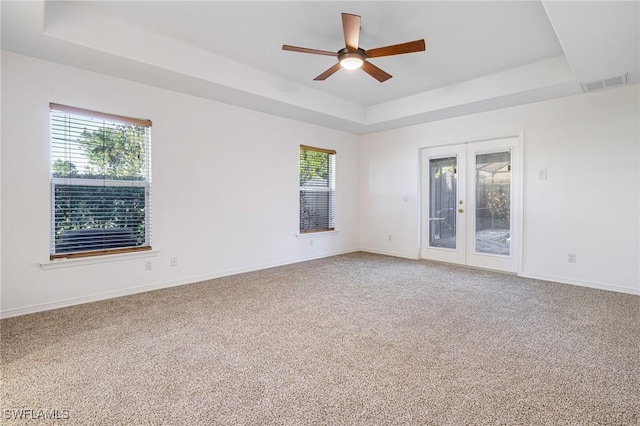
x,y
390,237
148,265
542,174
572,258
173,261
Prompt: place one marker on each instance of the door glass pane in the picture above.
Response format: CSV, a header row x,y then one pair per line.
x,y
442,202
493,203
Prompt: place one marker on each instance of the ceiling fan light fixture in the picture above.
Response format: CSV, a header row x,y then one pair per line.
x,y
351,60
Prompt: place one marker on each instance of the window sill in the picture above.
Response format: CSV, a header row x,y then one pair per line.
x,y
107,258
316,234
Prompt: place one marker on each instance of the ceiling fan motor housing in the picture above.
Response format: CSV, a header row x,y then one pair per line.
x,y
350,59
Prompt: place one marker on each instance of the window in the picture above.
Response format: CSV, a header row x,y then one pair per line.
x,y
100,183
317,189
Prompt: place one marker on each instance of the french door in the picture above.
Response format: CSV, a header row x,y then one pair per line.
x,y
471,204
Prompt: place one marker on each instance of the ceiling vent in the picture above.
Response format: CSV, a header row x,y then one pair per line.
x,y
607,82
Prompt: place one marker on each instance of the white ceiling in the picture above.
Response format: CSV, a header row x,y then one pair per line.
x,y
480,55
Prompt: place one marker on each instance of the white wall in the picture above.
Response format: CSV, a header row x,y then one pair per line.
x,y
225,187
589,205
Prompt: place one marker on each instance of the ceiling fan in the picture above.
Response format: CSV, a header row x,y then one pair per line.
x,y
354,57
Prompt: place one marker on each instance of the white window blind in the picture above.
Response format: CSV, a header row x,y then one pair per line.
x,y
100,183
317,189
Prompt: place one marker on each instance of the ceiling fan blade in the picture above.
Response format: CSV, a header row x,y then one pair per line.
x,y
397,49
375,72
329,72
305,50
351,27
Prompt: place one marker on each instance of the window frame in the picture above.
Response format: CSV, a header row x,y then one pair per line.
x,y
108,120
330,190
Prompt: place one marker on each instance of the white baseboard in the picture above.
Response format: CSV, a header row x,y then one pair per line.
x,y
390,253
157,286
581,283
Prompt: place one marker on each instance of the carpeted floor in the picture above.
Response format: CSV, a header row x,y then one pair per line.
x,y
353,339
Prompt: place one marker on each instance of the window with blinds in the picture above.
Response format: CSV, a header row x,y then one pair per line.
x,y
317,189
100,183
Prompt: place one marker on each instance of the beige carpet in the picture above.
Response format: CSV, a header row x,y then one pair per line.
x,y
354,339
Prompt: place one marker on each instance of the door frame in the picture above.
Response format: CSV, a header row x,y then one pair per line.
x,y
517,200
